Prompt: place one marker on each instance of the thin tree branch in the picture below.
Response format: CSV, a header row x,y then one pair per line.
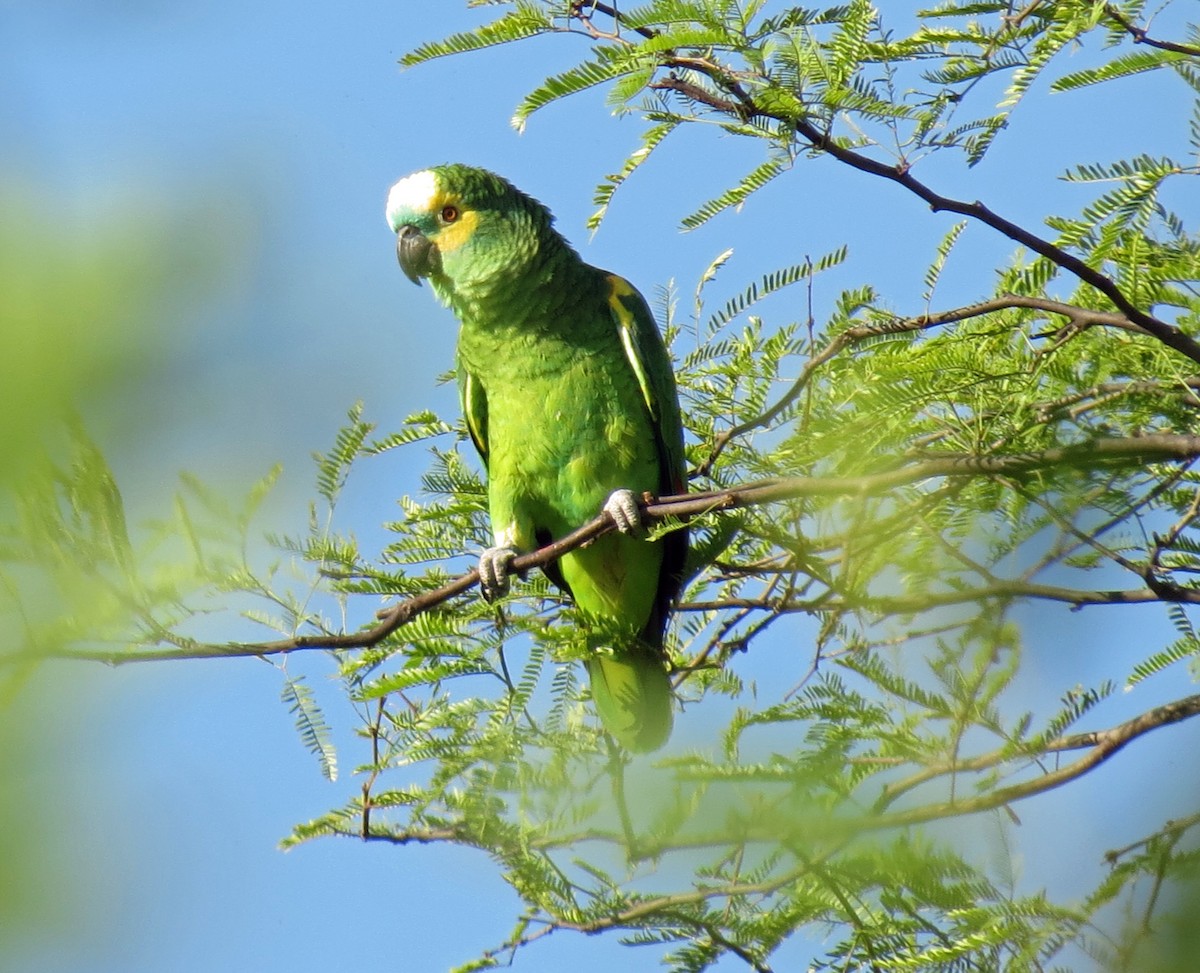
x,y
1078,318
743,106
1140,36
1099,744
1001,589
1133,450
1102,744
608,10
1173,829
1168,334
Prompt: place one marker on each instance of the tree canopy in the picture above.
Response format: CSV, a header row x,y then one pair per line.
x,y
885,502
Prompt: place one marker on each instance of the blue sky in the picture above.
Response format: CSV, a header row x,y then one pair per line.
x,y
270,134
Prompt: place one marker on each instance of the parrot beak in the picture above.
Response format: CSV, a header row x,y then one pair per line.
x,y
418,256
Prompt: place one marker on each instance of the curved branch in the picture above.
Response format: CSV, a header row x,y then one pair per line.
x,y
904,605
1140,35
1077,316
1101,744
1168,334
742,105
1133,450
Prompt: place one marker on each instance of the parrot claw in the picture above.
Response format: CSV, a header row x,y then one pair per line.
x,y
494,571
622,507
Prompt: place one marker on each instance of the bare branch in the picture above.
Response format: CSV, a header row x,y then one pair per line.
x,y
1101,744
1133,450
1001,590
1140,36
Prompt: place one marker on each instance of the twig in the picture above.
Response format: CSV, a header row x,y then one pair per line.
x,y
1000,589
1102,744
1140,36
369,782
1173,829
1078,317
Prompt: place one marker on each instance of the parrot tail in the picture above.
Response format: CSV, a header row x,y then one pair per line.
x,y
632,695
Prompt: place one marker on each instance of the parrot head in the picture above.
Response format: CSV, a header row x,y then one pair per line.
x,y
465,229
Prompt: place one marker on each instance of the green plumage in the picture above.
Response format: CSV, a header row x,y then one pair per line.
x,y
568,393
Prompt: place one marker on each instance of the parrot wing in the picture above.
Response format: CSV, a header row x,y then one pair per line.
x,y
651,363
648,357
473,400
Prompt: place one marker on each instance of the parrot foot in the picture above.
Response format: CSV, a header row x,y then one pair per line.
x,y
494,571
622,507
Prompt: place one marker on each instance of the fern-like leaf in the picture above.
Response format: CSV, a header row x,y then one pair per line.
x,y
527,20
333,467
1177,651
1125,66
311,723
651,139
753,182
579,78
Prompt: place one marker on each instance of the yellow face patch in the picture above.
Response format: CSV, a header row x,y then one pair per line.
x,y
452,232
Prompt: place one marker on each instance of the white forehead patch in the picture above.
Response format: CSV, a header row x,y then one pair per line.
x,y
412,194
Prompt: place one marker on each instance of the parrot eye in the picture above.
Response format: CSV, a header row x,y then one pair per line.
x,y
449,214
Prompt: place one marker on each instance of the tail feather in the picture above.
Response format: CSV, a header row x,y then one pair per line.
x,y
633,696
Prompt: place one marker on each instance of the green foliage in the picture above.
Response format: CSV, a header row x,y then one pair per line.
x,y
82,295
838,73
527,19
334,466
1124,66
900,701
853,656
310,723
753,182
79,310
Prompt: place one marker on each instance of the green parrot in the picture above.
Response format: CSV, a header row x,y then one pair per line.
x,y
569,397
